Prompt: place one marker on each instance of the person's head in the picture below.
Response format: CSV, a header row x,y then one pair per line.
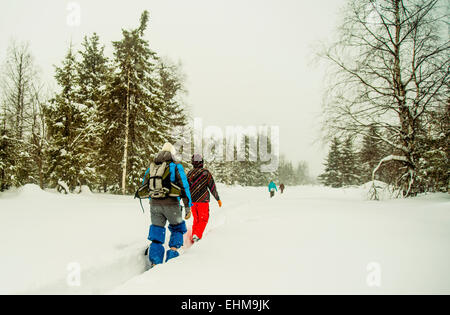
x,y
168,147
166,154
197,160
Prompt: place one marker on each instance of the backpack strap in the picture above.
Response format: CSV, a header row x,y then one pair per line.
x,y
145,175
172,172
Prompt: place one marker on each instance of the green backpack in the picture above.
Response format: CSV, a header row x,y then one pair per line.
x,y
157,183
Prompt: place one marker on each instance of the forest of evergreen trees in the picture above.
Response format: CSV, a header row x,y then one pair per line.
x,y
109,117
348,164
248,173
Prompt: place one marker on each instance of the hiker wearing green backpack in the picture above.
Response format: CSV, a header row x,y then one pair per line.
x,y
165,183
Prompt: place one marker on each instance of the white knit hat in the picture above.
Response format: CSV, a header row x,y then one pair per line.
x,y
169,148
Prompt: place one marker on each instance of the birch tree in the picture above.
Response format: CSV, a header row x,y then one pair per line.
x,y
390,68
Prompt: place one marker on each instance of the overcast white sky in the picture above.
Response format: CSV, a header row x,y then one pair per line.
x,y
248,62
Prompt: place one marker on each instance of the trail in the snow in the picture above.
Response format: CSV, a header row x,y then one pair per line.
x,y
102,278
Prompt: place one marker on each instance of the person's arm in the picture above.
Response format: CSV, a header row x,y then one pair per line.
x,y
182,179
184,196
188,175
212,187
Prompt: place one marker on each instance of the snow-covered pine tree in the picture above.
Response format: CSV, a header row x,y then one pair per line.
x,y
93,73
264,177
286,172
220,171
288,175
332,175
349,168
244,168
434,166
7,156
66,121
173,114
245,173
219,167
254,176
234,171
302,174
135,130
370,154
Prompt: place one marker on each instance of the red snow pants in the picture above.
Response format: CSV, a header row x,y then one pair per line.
x,y
200,212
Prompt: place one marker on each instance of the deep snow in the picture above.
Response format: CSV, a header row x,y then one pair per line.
x,y
309,240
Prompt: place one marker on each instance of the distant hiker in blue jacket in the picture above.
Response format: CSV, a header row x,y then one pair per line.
x,y
272,188
167,184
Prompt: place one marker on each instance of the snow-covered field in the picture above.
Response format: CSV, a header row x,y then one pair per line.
x,y
308,240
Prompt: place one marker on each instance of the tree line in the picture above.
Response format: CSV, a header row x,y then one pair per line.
x,y
247,173
350,164
388,93
109,116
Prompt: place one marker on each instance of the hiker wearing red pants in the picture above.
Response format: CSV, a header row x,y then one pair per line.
x,y
200,181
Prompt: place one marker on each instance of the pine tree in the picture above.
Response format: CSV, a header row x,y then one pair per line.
x,y
434,142
348,164
7,158
66,129
302,174
370,155
286,172
171,88
222,170
246,173
93,73
332,175
135,129
244,170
